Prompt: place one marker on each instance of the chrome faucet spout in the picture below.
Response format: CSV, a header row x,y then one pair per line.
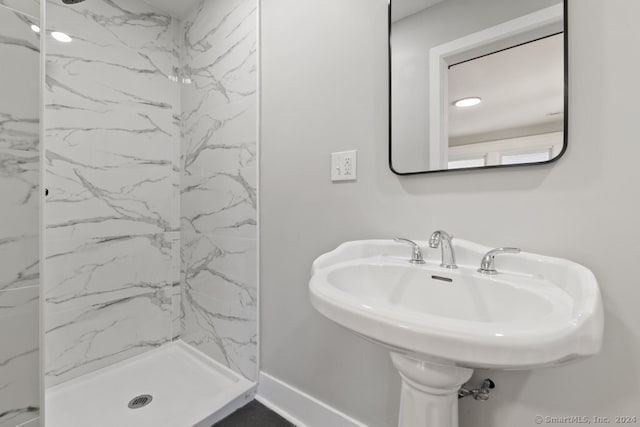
x,y
443,239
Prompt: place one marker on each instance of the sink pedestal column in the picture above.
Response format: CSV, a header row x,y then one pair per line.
x,y
429,392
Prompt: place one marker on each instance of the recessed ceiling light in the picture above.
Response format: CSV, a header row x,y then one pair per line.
x,y
61,37
467,102
35,28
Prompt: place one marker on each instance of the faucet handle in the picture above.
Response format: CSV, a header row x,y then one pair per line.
x,y
416,255
488,264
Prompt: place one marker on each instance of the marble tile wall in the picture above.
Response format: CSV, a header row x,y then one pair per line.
x,y
27,7
112,168
218,197
151,217
19,217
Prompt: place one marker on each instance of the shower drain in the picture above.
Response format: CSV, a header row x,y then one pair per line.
x,y
140,401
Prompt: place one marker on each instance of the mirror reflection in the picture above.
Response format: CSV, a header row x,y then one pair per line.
x,y
476,83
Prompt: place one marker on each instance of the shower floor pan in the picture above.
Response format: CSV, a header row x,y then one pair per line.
x,y
186,388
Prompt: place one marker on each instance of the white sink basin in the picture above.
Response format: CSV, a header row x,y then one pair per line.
x,y
538,311
458,295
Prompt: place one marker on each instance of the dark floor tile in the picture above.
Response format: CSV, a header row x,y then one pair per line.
x,y
254,414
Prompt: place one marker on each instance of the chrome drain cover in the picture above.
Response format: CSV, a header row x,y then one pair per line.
x,y
140,401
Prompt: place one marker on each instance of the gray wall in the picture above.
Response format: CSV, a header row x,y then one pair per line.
x,y
325,89
19,219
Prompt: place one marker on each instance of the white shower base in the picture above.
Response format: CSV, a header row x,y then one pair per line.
x,y
188,389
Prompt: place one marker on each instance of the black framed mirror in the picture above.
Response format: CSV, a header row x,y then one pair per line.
x,y
476,84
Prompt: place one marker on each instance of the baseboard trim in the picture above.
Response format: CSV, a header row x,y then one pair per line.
x,y
298,407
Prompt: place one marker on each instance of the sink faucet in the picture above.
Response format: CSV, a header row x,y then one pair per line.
x,y
443,239
488,264
416,254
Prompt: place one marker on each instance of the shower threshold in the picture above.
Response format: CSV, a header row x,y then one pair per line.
x,y
173,386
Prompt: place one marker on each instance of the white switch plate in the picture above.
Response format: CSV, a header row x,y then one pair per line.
x,y
344,166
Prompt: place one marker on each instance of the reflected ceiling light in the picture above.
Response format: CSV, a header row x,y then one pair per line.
x,y
467,102
61,37
35,28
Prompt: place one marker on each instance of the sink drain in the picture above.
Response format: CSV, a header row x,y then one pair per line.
x,y
140,401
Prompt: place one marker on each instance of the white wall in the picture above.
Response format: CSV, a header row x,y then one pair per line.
x,y
325,89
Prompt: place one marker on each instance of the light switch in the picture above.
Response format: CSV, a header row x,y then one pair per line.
x,y
344,166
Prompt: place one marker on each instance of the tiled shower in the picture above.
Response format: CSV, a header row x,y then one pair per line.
x,y
139,203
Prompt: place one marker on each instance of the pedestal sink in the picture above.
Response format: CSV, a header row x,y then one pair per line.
x,y
441,324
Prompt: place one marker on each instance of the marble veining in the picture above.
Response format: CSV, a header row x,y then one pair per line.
x,y
108,299
220,299
19,223
112,100
223,267
106,333
19,156
112,168
27,7
220,50
151,163
218,185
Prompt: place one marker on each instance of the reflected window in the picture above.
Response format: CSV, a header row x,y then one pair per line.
x,y
468,163
514,159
